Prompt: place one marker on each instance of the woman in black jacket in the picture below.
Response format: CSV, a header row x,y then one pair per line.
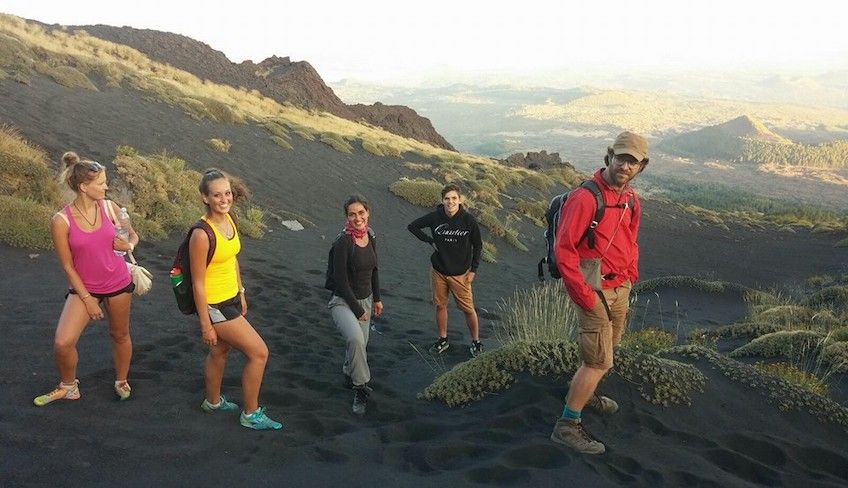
x,y
356,295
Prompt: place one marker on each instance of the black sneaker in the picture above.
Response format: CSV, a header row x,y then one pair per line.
x,y
440,346
360,398
476,348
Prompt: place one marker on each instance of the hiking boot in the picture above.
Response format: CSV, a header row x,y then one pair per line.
x,y
123,390
605,405
476,348
222,406
440,346
62,392
360,398
259,421
572,434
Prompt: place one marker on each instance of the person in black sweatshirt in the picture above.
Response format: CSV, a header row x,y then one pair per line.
x,y
455,237
356,295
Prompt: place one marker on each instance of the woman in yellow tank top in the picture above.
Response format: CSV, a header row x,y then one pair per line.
x,y
222,306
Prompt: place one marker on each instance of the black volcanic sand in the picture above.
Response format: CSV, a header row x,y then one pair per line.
x,y
730,436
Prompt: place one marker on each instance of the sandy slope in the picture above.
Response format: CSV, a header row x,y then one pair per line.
x,y
730,436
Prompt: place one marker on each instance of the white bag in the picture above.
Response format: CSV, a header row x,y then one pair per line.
x,y
141,277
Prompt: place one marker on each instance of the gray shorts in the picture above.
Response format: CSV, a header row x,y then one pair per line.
x,y
224,311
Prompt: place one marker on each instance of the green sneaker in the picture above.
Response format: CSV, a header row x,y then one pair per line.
x,y
222,406
62,392
259,421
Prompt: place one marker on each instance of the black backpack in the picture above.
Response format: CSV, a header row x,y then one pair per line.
x,y
552,218
329,283
183,289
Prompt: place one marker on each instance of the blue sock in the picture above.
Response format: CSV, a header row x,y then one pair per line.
x,y
570,414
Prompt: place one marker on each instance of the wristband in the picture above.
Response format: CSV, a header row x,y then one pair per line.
x,y
241,290
83,298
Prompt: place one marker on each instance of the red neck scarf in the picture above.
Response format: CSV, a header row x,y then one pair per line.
x,y
355,233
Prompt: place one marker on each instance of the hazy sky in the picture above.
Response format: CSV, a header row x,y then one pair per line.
x,y
382,40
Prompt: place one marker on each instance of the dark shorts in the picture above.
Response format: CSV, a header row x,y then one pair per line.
x,y
224,311
100,296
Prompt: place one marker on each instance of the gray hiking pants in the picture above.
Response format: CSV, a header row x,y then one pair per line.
x,y
355,334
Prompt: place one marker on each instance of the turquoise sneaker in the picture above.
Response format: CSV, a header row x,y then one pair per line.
x,y
259,421
222,406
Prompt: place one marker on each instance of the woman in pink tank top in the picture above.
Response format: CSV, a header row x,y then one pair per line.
x,y
86,241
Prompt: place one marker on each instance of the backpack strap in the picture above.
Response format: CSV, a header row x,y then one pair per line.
x,y
203,225
600,206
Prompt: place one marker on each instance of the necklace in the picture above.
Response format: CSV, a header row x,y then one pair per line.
x,y
228,233
90,223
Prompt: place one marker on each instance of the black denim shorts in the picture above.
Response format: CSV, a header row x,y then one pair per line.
x,y
100,296
226,310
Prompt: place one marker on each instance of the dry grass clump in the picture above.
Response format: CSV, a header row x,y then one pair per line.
x,y
649,340
418,191
25,223
779,391
337,142
749,294
543,312
794,375
162,197
533,210
282,142
497,227
67,76
160,193
30,195
372,148
220,145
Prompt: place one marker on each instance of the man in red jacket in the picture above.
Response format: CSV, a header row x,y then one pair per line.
x,y
598,274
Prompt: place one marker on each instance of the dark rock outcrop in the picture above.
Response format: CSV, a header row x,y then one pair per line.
x,y
534,160
297,83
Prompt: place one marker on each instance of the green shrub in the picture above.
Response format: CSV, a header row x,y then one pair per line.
x,y
418,191
220,145
835,297
835,355
661,381
794,376
25,223
648,340
489,253
784,394
252,222
541,313
745,329
791,344
839,334
820,280
494,370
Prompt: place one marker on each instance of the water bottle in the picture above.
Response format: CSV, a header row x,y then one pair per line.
x,y
123,228
176,277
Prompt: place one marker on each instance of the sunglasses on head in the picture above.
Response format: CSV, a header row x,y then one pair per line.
x,y
94,166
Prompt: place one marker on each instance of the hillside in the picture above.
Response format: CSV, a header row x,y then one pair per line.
x,y
276,77
75,92
747,140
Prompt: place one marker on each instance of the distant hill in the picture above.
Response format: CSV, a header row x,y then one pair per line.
x,y
746,139
297,83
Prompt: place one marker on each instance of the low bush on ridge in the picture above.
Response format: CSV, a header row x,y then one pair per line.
x,y
220,145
